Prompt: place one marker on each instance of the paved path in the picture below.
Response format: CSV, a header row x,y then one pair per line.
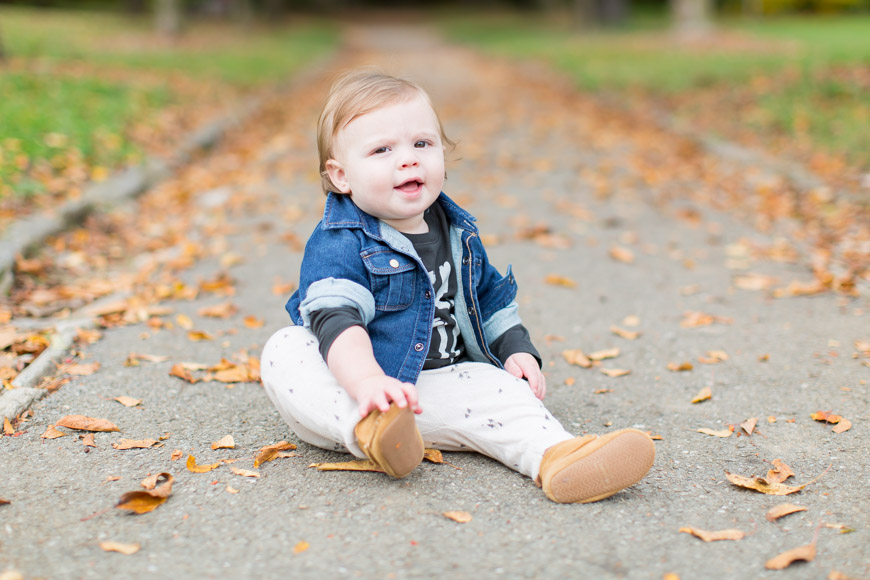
x,y
532,156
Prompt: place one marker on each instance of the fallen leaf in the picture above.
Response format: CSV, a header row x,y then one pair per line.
x,y
253,322
192,466
176,455
126,549
124,444
301,547
199,335
80,369
626,334
150,482
569,381
7,427
222,310
826,417
225,442
604,354
128,401
694,319
753,281
355,465
722,433
270,452
231,489
844,529
718,354
88,440
729,534
837,575
52,433
576,357
4,501
749,425
621,254
783,509
184,321
631,320
843,426
678,367
556,280
141,502
244,472
433,456
704,394
82,423
134,358
780,472
806,553
111,478
762,485
616,372
178,370
763,357
459,517
602,391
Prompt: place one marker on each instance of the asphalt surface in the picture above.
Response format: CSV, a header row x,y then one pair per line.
x,y
531,153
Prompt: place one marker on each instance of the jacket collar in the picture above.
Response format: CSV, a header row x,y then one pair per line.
x,y
341,212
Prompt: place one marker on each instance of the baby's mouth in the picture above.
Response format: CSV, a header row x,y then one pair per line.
x,y
410,186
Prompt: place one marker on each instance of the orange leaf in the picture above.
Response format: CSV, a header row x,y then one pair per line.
x,y
786,559
729,534
141,502
184,321
704,394
678,367
626,334
4,501
223,310
82,423
615,372
176,455
826,416
126,549
192,466
128,401
458,517
88,440
433,456
199,335
783,509
52,433
722,433
356,465
124,444
621,254
253,322
301,547
779,473
762,485
270,452
576,357
179,371
842,426
7,427
556,280
604,354
225,442
749,425
81,370
244,472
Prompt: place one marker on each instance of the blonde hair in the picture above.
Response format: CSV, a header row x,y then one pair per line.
x,y
356,93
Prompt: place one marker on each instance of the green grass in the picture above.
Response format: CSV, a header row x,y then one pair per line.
x,y
59,112
813,95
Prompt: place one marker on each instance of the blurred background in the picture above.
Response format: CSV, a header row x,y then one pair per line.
x,y
87,87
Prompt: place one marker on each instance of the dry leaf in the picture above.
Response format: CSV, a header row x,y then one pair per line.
x,y
433,456
356,465
184,321
837,575
826,416
723,433
176,455
602,391
694,319
631,320
178,370
253,322
621,254
730,534
231,489
783,509
82,423
678,367
704,394
88,440
753,281
569,381
225,442
763,485
842,426
4,501
199,335
626,334
150,482
52,433
126,549
270,452
192,466
576,357
604,354
7,427
111,478
128,401
556,280
616,372
244,472
459,517
223,310
749,425
134,358
124,444
81,370
718,354
141,502
301,547
779,473
784,560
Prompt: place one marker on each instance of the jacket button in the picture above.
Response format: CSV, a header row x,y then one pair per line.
x,y
418,347
428,294
466,260
471,310
394,263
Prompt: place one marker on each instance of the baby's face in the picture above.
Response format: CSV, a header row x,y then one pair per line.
x,y
391,162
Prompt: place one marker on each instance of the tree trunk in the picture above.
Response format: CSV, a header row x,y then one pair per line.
x,y
168,17
586,13
691,19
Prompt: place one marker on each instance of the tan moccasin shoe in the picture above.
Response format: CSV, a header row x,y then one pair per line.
x,y
391,440
590,468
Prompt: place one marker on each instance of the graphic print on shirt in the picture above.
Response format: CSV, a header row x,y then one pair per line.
x,y
445,332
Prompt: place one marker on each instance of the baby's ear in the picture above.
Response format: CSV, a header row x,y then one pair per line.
x,y
337,176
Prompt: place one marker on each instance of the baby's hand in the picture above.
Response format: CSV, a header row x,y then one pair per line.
x,y
523,365
377,392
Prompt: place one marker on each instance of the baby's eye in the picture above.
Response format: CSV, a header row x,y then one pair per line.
x,y
421,144
380,150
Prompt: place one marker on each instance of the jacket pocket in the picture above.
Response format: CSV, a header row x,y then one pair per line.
x,y
501,293
392,276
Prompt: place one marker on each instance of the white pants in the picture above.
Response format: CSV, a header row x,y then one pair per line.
x,y
466,407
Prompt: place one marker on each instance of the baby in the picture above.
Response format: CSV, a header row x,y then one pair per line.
x,y
405,335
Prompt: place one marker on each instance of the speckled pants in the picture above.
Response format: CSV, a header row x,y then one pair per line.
x,y
466,407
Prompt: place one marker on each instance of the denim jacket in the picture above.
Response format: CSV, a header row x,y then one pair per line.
x,y
354,259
